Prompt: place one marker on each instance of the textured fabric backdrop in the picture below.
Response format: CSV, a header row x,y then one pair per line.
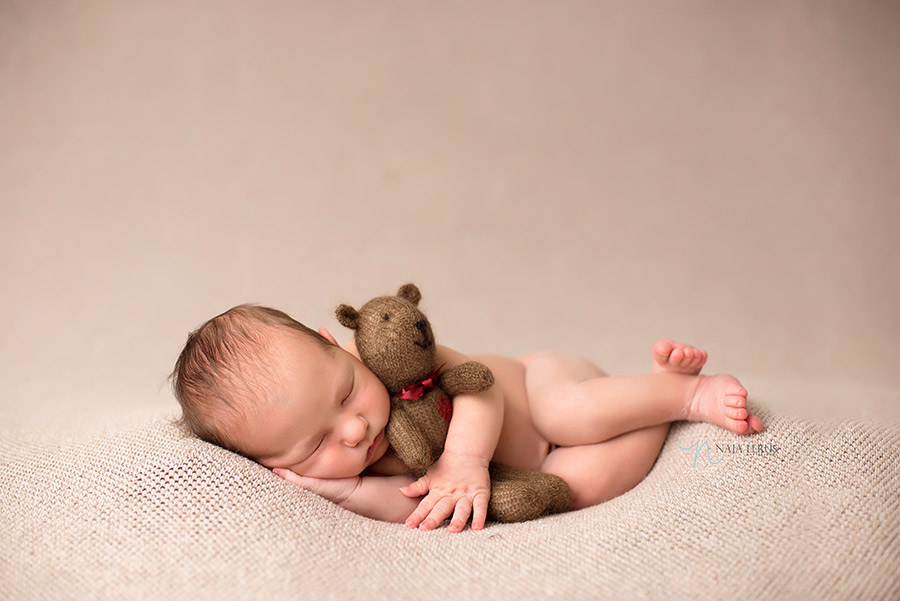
x,y
809,510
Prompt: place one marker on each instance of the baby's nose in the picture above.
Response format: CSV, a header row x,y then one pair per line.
x,y
356,432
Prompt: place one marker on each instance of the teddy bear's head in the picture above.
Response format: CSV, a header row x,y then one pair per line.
x,y
393,337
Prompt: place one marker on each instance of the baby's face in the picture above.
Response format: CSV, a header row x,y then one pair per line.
x,y
328,415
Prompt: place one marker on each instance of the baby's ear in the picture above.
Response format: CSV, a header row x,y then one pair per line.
x,y
410,292
347,316
323,331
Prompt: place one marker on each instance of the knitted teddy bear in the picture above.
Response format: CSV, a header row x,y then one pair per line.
x,y
395,341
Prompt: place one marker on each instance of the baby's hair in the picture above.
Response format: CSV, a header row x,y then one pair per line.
x,y
217,377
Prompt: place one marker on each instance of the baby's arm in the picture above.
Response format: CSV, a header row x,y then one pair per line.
x,y
376,497
458,483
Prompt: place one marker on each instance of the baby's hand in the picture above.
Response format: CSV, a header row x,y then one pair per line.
x,y
336,490
456,484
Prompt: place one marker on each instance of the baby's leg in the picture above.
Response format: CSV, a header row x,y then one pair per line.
x,y
598,472
573,403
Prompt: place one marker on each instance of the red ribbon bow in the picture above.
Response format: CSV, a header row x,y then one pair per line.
x,y
416,391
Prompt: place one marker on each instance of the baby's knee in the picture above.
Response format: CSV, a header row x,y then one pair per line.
x,y
587,492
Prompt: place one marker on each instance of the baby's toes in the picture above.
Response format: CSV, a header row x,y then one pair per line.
x,y
738,426
699,358
735,393
735,413
735,400
663,349
755,423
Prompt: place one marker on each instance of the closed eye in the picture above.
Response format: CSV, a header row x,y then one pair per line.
x,y
349,392
315,450
310,455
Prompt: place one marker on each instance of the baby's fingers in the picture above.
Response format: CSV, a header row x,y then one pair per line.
x,y
416,489
441,512
424,508
336,490
479,511
301,481
461,515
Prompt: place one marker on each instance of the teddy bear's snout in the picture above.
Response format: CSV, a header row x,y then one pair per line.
x,y
422,326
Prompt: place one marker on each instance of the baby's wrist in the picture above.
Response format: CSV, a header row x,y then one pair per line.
x,y
470,456
353,490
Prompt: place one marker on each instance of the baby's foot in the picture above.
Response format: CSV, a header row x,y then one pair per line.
x,y
677,358
721,400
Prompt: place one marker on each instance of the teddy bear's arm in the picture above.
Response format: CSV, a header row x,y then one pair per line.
x,y
466,378
408,441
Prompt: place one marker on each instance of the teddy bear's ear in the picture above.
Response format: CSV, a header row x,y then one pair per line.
x,y
348,316
410,293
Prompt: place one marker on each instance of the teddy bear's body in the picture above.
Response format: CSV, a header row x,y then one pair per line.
x,y
395,341
418,428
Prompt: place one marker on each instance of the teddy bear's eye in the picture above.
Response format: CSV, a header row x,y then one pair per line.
x,y
386,317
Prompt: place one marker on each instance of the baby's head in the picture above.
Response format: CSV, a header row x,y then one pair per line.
x,y
257,382
224,371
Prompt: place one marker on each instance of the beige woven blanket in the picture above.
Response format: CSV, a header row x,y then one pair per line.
x,y
807,510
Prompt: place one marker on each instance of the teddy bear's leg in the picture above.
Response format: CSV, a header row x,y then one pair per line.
x,y
559,497
513,499
519,495
469,377
408,441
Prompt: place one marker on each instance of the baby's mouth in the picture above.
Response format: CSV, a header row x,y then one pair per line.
x,y
371,452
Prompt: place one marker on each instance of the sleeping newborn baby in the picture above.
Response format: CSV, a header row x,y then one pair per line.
x,y
258,382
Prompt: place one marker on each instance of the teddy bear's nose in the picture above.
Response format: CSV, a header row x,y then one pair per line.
x,y
422,326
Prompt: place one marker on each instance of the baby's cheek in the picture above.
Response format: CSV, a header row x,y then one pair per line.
x,y
333,463
383,404
376,394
